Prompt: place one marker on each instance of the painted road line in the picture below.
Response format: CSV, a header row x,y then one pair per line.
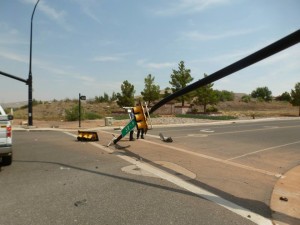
x,y
256,218
239,210
252,130
216,159
271,127
265,149
207,131
197,135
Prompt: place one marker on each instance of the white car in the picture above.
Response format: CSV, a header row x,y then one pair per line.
x,y
5,138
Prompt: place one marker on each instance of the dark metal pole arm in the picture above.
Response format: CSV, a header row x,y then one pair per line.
x,y
14,77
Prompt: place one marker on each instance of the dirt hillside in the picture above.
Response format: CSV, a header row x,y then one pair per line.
x,y
56,110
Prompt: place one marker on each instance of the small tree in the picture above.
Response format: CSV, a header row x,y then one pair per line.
x,y
167,92
102,99
151,91
113,97
126,98
284,97
179,79
206,96
225,95
295,94
262,93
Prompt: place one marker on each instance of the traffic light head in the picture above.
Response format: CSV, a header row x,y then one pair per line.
x,y
140,118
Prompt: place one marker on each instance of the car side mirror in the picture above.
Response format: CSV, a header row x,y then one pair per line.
x,y
10,117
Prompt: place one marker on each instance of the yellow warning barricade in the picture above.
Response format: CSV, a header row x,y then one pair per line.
x,y
87,136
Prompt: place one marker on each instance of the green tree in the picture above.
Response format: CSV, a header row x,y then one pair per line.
x,y
262,93
295,94
151,91
113,97
126,98
102,99
284,97
179,79
167,92
225,95
206,96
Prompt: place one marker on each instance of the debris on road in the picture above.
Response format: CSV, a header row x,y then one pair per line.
x,y
165,139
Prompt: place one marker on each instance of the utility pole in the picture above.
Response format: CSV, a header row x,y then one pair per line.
x,y
29,80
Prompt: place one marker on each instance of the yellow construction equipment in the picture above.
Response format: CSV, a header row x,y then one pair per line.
x,y
87,136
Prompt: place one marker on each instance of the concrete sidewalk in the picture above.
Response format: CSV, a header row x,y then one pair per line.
x,y
285,201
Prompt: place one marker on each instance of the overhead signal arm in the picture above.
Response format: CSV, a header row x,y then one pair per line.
x,y
282,44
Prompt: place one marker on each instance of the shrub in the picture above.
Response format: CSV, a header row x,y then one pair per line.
x,y
211,109
246,98
92,116
73,114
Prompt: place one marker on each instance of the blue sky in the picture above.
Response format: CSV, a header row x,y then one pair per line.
x,y
92,46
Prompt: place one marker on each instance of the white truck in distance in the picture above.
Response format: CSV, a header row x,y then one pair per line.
x,y
5,138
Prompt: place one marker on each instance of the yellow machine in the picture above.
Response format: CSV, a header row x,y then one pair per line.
x,y
87,136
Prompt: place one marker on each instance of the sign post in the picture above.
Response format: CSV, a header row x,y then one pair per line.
x,y
81,97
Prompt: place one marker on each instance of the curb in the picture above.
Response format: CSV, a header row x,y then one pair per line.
x,y
285,200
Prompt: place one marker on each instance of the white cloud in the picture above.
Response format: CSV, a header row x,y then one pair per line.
x,y
10,35
59,16
190,6
198,36
152,65
87,7
106,58
14,56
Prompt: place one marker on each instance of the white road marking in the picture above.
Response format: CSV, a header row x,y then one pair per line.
x,y
216,159
256,218
245,213
252,130
197,135
211,158
207,131
271,127
265,149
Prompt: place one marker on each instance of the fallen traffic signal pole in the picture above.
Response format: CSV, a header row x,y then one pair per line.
x,y
139,121
265,52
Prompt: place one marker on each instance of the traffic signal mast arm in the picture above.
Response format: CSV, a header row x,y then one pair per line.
x,y
286,42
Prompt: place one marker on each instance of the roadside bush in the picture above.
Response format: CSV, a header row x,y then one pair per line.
x,y
92,116
246,98
72,114
211,109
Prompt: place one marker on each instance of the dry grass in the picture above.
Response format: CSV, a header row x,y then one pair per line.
x,y
258,109
55,111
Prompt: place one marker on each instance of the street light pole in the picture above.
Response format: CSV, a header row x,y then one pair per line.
x,y
29,81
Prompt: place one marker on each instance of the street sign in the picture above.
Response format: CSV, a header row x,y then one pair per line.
x,y
128,128
82,97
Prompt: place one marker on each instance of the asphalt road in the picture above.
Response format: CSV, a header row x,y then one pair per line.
x,y
210,174
269,145
57,180
238,161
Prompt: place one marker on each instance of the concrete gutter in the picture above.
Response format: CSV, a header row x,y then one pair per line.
x,y
285,200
